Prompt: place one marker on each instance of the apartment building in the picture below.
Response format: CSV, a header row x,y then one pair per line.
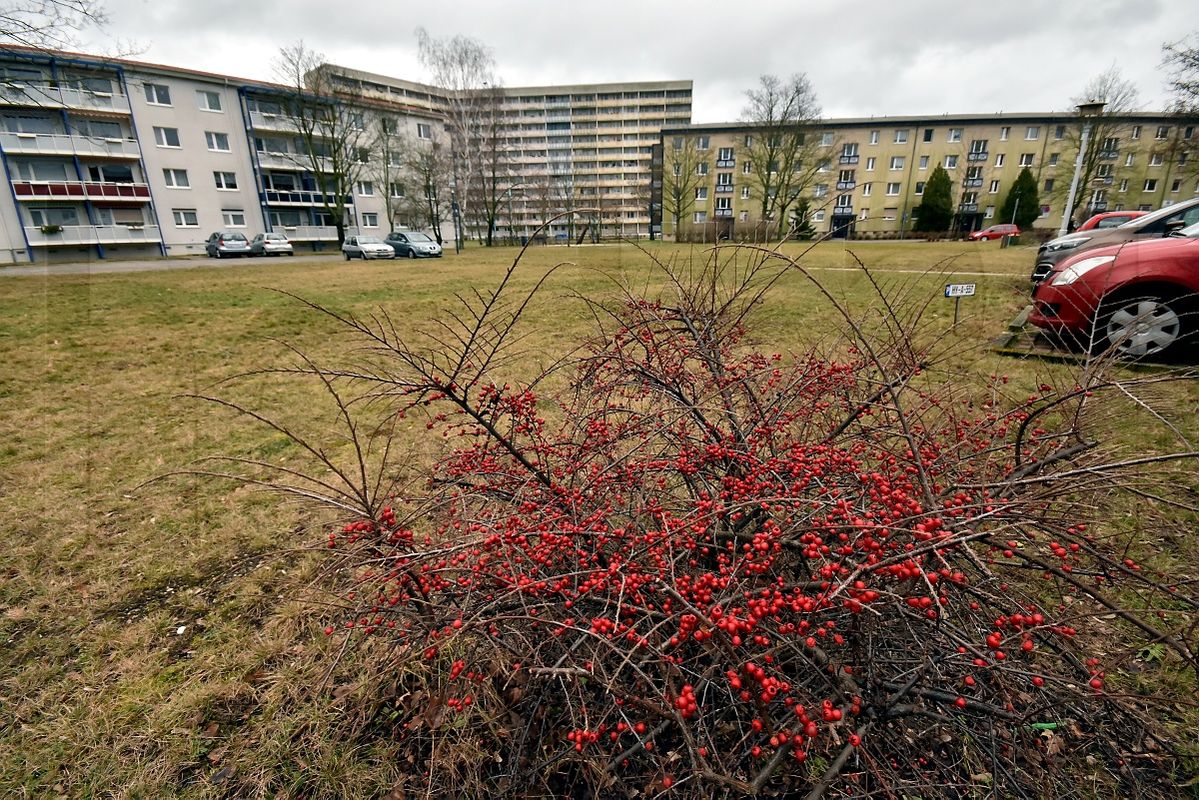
x,y
585,148
871,172
118,158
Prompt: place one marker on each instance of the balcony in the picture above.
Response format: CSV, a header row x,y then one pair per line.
x,y
308,233
977,155
723,212
724,188
968,208
725,164
75,235
1100,206
53,97
82,190
301,198
1103,180
972,183
846,185
273,122
1108,155
62,144
842,211
295,161
844,159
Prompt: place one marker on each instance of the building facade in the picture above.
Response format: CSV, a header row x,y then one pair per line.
x,y
870,173
117,158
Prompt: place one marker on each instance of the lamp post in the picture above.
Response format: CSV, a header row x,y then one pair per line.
x,y
1088,112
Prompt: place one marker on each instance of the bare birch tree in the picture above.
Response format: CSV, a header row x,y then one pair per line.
x,y
680,179
48,24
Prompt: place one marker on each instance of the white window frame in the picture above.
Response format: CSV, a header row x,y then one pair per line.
x,y
994,189
366,188
1027,159
893,188
897,163
954,135
923,163
180,215
370,219
701,192
999,159
867,189
1032,133
1150,185
176,178
161,138
901,136
870,163
158,90
951,161
203,96
874,137
229,220
222,185
1004,133
424,130
210,139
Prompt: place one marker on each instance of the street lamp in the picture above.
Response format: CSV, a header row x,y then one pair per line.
x,y
1088,112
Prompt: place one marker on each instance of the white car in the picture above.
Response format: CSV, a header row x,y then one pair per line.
x,y
366,247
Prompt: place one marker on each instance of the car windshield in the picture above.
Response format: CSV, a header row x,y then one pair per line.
x,y
233,237
1111,222
417,237
369,240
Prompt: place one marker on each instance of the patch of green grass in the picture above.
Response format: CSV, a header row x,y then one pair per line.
x,y
103,695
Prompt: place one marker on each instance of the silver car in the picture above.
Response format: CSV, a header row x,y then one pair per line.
x,y
365,247
271,244
224,244
413,244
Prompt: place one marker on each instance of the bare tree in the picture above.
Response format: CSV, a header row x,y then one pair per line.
x,y
1120,96
334,138
1181,58
465,68
783,151
680,178
429,168
387,164
48,24
492,180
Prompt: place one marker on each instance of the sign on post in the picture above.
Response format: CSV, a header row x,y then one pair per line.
x,y
957,291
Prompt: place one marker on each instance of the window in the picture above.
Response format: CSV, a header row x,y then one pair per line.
x,y
849,150
1150,185
366,188
233,218
1136,131
724,203
1032,133
999,160
955,135
1026,159
1176,185
176,178
363,155
724,179
1163,131
951,162
158,94
923,162
725,154
874,137
826,139
1124,185
1049,184
1182,158
743,216
994,189
701,216
370,220
424,130
1155,159
396,189
844,201
744,192
870,163
969,198
1128,160
901,137
845,176
1053,159
225,180
893,189
747,168
185,218
1004,133
989,213
701,143
701,168
896,162
978,145
1059,132
890,213
749,141
867,188
928,134
818,216
166,137
208,101
1188,132
217,142
701,193
820,190
919,187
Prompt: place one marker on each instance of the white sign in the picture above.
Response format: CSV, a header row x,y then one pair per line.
x,y
959,290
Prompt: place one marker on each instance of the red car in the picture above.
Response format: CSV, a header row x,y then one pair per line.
x,y
1109,219
1138,298
995,232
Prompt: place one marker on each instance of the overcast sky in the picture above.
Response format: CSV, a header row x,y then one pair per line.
x,y
864,58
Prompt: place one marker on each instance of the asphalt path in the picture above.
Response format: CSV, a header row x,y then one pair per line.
x,y
101,266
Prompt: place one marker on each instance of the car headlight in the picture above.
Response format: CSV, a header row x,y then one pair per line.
x,y
1066,244
1075,271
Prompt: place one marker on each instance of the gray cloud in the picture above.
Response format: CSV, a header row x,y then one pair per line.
x,y
868,58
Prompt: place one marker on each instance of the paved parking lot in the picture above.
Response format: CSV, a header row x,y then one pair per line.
x,y
151,264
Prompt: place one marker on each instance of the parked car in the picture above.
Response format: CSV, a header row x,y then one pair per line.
x,y
271,244
1139,298
413,244
1109,219
995,232
365,247
1152,225
227,243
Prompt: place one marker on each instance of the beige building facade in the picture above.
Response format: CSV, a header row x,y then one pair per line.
x,y
872,172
